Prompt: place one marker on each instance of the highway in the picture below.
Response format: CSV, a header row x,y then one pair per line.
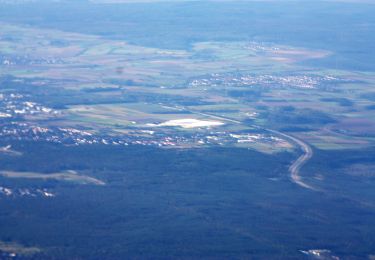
x,y
295,167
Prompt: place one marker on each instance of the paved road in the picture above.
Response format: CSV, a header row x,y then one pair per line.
x,y
295,167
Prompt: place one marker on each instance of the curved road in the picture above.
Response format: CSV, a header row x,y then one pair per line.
x,y
295,167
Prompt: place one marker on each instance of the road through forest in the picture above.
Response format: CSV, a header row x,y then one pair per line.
x,y
295,167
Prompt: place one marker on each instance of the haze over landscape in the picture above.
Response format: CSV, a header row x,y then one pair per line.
x,y
187,129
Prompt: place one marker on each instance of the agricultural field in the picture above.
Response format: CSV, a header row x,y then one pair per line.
x,y
247,133
260,82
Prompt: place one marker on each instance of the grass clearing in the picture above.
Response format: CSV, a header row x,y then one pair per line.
x,y
70,176
18,249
